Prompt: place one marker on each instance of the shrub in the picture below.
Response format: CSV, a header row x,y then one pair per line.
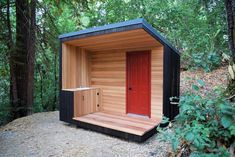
x,y
205,126
207,62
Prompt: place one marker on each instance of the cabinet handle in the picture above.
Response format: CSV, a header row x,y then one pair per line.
x,y
83,97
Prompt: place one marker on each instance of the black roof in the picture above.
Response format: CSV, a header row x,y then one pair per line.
x,y
117,27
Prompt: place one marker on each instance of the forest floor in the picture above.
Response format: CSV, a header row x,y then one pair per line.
x,y
42,134
216,78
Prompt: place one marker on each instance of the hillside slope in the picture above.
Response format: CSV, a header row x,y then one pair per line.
x,y
42,134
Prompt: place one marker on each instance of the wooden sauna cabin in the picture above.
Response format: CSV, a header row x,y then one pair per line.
x,y
117,79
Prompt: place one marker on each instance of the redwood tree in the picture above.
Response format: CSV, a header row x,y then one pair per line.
x,y
230,11
22,59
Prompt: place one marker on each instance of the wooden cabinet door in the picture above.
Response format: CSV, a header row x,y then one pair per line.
x,y
78,104
87,101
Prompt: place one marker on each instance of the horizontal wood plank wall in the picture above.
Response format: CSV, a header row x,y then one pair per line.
x,y
75,67
108,72
157,82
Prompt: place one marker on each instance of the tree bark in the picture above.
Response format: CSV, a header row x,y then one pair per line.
x,y
23,57
230,9
31,57
55,84
20,56
10,46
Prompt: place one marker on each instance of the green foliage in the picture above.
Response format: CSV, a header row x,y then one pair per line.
x,y
46,82
55,18
205,125
208,62
195,28
5,108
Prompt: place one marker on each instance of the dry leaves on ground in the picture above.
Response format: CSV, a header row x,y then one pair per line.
x,y
216,78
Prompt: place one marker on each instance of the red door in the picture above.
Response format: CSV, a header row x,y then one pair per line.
x,y
138,83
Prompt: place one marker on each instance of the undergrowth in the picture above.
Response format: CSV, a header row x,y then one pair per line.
x,y
205,125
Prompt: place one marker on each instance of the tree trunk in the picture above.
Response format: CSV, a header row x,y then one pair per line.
x,y
10,46
230,12
31,57
230,9
23,57
55,82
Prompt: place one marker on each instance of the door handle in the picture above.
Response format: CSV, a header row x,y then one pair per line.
x,y
130,88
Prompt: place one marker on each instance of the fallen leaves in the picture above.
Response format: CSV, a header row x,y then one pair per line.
x,y
216,78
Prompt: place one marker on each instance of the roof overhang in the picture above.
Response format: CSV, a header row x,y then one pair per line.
x,y
129,34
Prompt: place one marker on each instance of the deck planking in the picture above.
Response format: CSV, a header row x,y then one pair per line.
x,y
120,122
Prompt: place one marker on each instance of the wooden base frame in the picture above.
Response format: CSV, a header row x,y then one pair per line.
x,y
116,133
122,126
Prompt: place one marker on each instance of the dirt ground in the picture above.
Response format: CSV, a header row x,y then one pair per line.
x,y
43,135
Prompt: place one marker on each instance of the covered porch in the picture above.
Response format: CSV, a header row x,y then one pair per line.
x,y
97,91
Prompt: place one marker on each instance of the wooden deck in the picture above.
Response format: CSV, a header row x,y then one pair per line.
x,y
136,126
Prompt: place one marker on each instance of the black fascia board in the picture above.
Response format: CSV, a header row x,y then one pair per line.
x,y
103,28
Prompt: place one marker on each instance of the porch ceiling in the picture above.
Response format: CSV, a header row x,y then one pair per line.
x,y
132,39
